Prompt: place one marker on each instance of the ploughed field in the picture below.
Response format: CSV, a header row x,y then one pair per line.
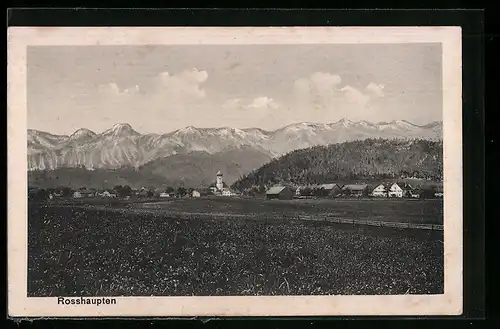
x,y
89,251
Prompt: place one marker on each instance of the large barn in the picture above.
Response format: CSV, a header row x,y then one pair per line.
x,y
280,193
356,190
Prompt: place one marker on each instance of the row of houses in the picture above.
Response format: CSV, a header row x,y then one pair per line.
x,y
128,193
142,192
383,190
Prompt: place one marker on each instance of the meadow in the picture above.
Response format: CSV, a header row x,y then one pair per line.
x,y
428,211
119,250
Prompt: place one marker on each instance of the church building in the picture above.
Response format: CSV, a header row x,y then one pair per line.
x,y
220,187
219,184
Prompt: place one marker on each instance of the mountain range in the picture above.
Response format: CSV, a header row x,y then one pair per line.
x,y
122,146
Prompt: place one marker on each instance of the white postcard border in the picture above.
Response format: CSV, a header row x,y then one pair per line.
x,y
449,303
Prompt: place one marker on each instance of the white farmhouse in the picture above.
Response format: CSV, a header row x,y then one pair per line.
x,y
380,191
395,191
195,194
399,190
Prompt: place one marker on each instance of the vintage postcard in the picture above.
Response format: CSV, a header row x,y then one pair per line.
x,y
234,171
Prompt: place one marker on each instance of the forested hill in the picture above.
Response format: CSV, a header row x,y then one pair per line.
x,y
366,159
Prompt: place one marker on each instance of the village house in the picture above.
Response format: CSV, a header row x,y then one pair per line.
x,y
395,191
144,192
83,193
195,194
106,194
355,190
164,195
380,190
407,190
228,192
400,190
335,190
326,189
279,192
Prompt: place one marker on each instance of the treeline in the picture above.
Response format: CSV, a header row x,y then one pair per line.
x,y
121,191
370,159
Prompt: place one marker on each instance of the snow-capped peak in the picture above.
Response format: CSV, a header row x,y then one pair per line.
x,y
120,129
403,124
82,132
302,126
344,122
187,130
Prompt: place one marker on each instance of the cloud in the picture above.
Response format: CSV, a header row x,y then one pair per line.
x,y
375,89
325,82
319,91
262,103
355,96
182,97
323,93
176,96
112,90
185,84
159,91
318,88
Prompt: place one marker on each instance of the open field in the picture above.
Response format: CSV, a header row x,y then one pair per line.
x,y
403,210
88,252
418,211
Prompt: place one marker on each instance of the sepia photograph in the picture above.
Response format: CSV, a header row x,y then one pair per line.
x,y
234,171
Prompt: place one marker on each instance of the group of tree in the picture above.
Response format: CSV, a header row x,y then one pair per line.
x,y
370,159
119,190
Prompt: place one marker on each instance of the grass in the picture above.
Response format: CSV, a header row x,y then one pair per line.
x,y
402,210
89,252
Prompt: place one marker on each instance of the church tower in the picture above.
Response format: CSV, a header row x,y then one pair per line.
x,y
219,184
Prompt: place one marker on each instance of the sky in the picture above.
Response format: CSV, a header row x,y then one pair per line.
x,y
158,89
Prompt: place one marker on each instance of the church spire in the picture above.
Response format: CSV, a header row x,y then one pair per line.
x,y
220,184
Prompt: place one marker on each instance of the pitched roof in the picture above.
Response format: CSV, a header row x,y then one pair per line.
x,y
275,190
328,186
404,186
355,187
